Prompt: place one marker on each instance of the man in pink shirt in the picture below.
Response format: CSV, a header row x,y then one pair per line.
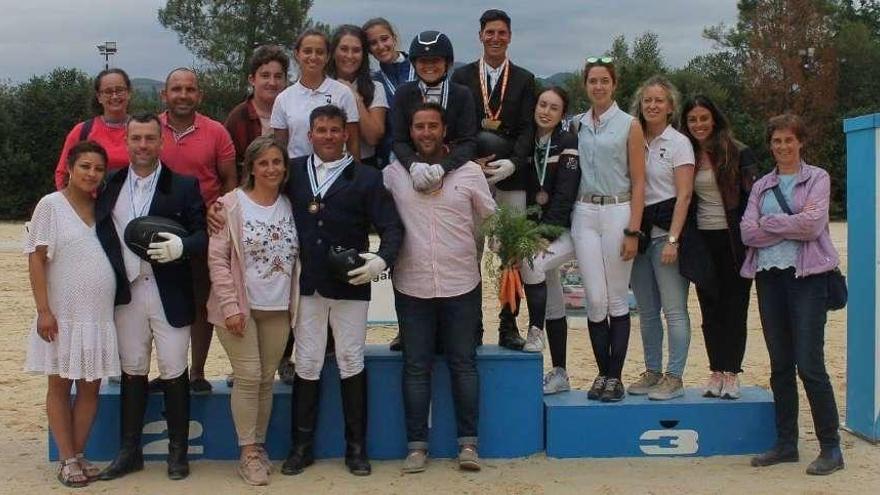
x,y
437,285
198,146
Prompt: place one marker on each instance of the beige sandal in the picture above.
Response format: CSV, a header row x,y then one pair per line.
x,y
70,474
90,470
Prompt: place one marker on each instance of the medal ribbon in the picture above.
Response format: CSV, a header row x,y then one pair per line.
x,y
392,89
484,89
541,165
318,191
444,90
148,192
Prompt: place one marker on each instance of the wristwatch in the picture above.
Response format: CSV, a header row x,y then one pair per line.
x,y
672,240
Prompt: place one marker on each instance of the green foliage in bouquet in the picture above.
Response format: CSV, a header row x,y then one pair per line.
x,y
516,238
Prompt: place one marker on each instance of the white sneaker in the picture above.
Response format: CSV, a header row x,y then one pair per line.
x,y
555,381
730,388
714,385
534,340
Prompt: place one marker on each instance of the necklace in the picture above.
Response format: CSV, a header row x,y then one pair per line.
x,y
318,190
542,197
444,91
147,192
392,89
493,119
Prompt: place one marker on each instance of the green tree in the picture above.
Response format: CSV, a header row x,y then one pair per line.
x,y
224,33
35,117
858,49
816,58
643,61
221,93
632,65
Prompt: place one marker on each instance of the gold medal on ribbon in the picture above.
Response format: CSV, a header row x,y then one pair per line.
x,y
490,124
493,119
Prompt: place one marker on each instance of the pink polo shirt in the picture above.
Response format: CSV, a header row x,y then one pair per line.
x,y
199,152
111,138
438,257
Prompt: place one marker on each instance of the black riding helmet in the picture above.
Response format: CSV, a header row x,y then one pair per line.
x,y
431,44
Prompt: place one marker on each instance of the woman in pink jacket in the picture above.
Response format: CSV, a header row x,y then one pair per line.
x,y
254,270
790,255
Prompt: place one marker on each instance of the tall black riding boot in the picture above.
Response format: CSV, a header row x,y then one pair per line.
x,y
177,419
133,405
303,416
354,407
508,334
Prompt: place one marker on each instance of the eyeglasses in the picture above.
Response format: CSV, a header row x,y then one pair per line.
x,y
114,91
600,60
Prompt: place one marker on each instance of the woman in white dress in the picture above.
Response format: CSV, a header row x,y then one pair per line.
x,y
73,338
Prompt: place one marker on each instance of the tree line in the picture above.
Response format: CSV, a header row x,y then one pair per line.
x,y
817,58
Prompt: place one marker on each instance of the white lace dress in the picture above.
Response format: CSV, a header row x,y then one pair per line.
x,y
81,289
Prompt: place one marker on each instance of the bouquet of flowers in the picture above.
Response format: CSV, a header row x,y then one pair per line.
x,y
514,238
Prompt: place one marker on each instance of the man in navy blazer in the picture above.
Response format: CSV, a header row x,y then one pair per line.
x,y
154,298
335,201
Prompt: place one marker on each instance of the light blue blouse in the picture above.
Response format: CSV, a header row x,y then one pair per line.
x,y
603,153
784,254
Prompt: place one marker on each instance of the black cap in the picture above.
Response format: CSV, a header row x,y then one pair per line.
x,y
431,44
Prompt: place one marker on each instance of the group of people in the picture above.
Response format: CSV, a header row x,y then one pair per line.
x,y
278,202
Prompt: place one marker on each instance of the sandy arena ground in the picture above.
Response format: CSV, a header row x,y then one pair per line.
x,y
24,468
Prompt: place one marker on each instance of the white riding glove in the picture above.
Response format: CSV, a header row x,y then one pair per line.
x,y
421,177
368,271
499,170
166,251
435,177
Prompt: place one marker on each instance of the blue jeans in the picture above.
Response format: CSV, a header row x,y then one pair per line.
x,y
793,316
454,321
659,286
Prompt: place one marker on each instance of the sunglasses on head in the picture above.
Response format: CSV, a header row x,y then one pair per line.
x,y
600,60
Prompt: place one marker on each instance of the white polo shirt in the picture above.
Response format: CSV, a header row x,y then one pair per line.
x,y
294,105
380,100
662,155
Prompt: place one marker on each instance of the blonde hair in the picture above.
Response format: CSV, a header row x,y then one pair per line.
x,y
257,147
671,93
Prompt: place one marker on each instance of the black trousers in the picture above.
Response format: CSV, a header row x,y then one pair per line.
x,y
726,308
793,316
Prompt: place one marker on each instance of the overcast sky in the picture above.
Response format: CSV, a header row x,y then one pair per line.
x,y
548,36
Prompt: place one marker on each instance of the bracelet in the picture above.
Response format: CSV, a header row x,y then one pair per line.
x,y
634,233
